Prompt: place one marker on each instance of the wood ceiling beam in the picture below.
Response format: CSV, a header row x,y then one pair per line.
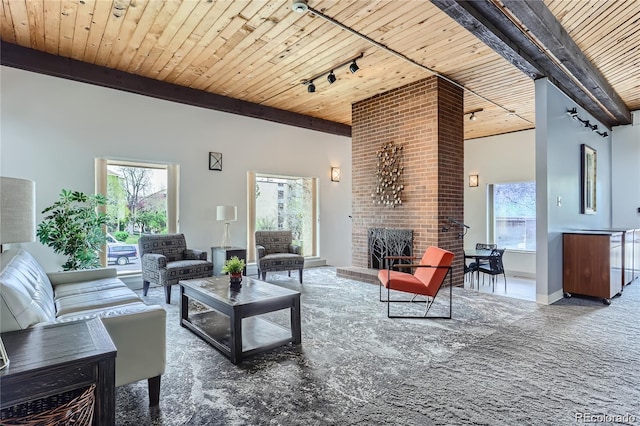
x,y
44,63
564,64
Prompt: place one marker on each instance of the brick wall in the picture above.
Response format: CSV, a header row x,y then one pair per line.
x,y
426,118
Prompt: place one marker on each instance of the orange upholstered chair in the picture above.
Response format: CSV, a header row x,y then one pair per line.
x,y
427,279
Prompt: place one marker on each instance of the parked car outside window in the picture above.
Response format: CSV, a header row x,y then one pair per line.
x,y
121,254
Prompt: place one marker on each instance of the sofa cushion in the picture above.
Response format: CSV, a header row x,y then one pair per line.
x,y
26,292
281,261
87,314
185,270
100,299
74,288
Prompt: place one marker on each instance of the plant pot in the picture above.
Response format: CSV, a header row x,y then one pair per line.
x,y
235,280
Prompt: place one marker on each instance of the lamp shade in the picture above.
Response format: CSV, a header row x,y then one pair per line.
x,y
227,213
17,210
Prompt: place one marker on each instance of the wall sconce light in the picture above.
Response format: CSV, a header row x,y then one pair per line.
x,y
335,174
331,76
473,180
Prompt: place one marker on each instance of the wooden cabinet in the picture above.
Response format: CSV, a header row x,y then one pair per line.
x,y
592,264
47,361
220,254
630,253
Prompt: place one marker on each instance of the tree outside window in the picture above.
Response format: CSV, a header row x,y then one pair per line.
x,y
514,215
286,203
137,204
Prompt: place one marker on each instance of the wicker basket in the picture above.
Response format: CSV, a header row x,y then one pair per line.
x,y
77,411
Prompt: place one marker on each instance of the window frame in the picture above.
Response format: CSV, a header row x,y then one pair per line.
x,y
252,179
173,181
491,215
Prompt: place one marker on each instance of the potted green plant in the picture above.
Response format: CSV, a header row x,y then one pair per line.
x,y
73,226
234,267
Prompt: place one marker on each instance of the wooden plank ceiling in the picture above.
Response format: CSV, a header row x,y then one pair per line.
x,y
260,51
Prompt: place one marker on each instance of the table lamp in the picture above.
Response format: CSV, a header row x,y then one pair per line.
x,y
17,221
17,211
227,214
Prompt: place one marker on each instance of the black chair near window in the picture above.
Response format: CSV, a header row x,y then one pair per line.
x,y
469,271
495,267
484,246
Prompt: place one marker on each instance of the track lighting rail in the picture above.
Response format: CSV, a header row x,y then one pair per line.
x,y
329,72
301,6
573,113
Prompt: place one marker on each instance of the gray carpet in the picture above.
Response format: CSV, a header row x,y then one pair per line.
x,y
499,361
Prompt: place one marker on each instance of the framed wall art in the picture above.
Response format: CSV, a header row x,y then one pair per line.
x,y
215,161
588,174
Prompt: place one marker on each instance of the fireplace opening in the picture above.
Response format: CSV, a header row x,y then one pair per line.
x,y
388,242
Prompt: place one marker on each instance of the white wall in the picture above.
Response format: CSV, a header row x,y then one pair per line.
x,y
625,192
53,129
497,159
558,140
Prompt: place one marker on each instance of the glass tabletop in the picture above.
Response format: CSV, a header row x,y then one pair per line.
x,y
477,253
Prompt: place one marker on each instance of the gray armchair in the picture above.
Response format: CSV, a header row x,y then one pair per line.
x,y
167,260
276,252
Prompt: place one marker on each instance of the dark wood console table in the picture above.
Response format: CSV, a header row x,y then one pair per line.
x,y
58,358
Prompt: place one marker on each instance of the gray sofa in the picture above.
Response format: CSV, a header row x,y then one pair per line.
x,y
276,252
30,297
166,260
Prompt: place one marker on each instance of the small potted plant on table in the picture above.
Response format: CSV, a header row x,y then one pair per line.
x,y
234,267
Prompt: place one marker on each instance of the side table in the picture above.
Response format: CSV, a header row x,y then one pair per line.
x,y
50,360
221,254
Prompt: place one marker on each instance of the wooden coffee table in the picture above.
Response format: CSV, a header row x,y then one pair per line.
x,y
231,319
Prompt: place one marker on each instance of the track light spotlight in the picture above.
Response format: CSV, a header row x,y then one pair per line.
x,y
311,88
472,114
573,113
353,67
331,77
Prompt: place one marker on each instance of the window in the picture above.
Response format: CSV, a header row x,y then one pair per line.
x,y
140,200
513,215
284,202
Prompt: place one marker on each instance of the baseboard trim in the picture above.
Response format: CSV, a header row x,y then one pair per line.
x,y
549,299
